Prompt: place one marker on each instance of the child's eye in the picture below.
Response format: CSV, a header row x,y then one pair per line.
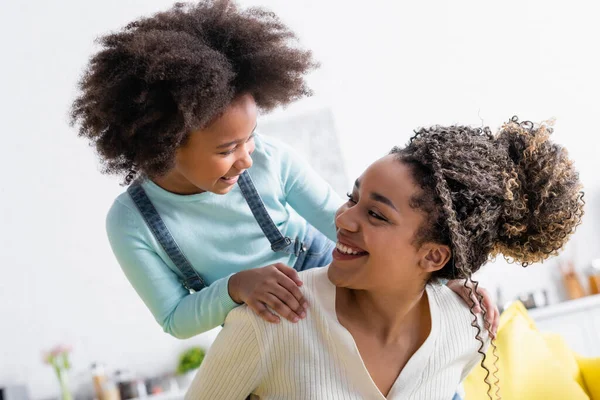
x,y
228,152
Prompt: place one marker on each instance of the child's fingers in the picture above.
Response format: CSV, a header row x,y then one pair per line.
x,y
471,297
477,306
280,308
284,295
291,287
262,311
493,314
496,322
289,272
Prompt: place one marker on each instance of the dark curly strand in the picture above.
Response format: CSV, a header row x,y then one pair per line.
x,y
160,78
514,193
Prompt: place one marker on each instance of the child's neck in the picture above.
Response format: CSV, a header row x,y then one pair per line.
x,y
176,183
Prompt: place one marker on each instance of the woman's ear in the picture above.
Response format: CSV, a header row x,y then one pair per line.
x,y
435,256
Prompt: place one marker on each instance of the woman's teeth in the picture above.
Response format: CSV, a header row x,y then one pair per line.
x,y
348,250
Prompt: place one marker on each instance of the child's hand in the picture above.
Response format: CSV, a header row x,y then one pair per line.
x,y
492,316
275,286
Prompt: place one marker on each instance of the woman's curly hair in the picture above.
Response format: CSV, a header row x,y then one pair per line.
x,y
514,193
160,78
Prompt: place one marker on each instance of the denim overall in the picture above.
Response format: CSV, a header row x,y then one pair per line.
x,y
314,251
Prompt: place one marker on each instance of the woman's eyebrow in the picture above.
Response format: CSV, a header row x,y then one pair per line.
x,y
382,199
378,197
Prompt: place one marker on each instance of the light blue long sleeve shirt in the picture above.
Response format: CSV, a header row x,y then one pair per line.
x,y
219,236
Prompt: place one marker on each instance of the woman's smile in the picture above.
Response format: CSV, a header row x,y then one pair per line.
x,y
346,251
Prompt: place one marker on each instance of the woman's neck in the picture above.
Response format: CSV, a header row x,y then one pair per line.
x,y
389,316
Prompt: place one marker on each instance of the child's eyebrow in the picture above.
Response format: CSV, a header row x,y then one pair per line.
x,y
228,144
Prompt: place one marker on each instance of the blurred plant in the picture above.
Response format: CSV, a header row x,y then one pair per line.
x,y
190,360
58,359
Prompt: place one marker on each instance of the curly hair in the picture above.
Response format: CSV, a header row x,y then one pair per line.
x,y
514,193
162,77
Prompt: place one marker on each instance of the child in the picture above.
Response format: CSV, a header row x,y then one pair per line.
x,y
170,102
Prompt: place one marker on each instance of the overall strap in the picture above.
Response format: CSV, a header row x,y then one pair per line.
x,y
277,240
191,278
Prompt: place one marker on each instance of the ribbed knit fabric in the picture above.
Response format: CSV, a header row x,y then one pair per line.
x,y
317,358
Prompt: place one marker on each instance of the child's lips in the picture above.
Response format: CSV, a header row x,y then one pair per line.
x,y
230,180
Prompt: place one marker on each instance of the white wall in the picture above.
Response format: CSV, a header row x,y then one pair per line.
x,y
387,68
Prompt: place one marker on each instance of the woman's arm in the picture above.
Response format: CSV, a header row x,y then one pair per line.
x,y
233,367
180,313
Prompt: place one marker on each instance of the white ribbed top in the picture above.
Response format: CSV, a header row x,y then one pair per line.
x,y
317,358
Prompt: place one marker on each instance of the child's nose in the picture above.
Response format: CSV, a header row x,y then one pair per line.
x,y
244,162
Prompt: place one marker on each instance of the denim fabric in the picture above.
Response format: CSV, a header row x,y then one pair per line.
x,y
279,243
314,252
318,251
191,278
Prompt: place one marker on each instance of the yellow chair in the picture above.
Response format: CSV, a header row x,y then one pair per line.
x,y
533,365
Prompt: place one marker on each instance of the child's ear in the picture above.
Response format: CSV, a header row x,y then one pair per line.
x,y
435,256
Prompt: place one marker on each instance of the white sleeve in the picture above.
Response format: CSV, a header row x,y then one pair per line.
x,y
472,363
233,367
476,357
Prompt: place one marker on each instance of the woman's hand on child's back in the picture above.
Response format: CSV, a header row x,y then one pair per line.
x,y
275,287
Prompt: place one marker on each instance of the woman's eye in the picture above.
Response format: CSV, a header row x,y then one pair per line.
x,y
377,216
350,198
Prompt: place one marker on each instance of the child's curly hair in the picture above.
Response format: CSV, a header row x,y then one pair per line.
x,y
514,193
160,78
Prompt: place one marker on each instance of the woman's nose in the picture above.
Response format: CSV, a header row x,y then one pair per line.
x,y
346,219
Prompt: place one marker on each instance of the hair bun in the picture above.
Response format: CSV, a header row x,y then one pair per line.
x,y
543,198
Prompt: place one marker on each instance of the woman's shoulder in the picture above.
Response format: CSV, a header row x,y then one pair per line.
x,y
449,302
313,288
313,276
455,316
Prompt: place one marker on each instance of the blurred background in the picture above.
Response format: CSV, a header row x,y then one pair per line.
x,y
387,67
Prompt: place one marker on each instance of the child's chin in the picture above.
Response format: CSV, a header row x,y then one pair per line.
x,y
222,190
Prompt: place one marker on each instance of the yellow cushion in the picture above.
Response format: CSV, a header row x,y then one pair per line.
x,y
565,357
590,370
528,369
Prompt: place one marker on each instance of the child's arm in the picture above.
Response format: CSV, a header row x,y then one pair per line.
x,y
232,368
308,193
180,313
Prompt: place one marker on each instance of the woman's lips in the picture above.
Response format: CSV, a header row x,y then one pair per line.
x,y
345,251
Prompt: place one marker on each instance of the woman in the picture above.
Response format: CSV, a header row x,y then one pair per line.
x,y
379,325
